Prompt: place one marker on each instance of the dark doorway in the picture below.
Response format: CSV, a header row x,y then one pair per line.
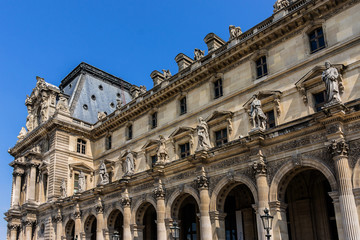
x,y
149,222
189,222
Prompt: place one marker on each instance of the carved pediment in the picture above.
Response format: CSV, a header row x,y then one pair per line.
x,y
219,116
150,144
182,131
123,156
81,167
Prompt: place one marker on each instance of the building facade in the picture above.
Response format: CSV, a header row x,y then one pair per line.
x,y
269,119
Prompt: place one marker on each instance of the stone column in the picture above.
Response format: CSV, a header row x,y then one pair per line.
x,y
17,190
77,216
218,223
350,219
205,223
335,197
159,193
126,202
13,231
263,193
99,221
28,229
357,200
280,230
59,231
32,182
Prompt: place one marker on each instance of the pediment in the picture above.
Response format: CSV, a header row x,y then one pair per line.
x,y
81,166
151,144
181,131
264,96
219,116
122,156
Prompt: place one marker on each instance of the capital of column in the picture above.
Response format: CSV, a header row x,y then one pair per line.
x,y
278,206
216,215
126,202
28,223
260,167
159,191
13,227
18,172
202,181
339,149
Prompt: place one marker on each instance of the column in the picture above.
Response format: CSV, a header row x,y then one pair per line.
x,y
280,230
100,220
58,219
32,183
17,190
28,229
263,194
13,231
218,223
126,201
159,193
205,223
335,197
350,219
77,216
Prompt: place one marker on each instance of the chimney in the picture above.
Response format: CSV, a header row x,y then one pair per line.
x,y
157,77
183,61
213,42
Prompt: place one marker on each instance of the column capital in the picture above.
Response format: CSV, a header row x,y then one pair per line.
x,y
202,181
259,167
159,191
13,227
126,202
339,148
18,171
216,215
28,223
277,206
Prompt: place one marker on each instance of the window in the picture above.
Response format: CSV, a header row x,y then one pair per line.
x,y
153,160
183,107
218,90
154,120
261,67
221,137
76,183
184,150
319,99
45,185
270,123
108,141
81,146
317,41
130,132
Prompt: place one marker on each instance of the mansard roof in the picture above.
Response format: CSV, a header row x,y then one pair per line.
x,y
87,68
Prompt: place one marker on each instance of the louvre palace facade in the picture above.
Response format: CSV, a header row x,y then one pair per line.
x,y
269,119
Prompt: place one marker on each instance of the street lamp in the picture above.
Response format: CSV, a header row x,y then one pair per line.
x,y
116,236
267,222
175,230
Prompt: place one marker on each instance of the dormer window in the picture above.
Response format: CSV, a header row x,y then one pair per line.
x,y
81,146
218,88
316,39
261,67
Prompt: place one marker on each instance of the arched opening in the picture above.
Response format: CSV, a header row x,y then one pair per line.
x,y
149,223
240,220
310,213
70,230
90,228
115,224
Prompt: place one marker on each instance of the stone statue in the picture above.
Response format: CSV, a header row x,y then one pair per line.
x,y
119,103
234,32
198,54
257,115
22,134
129,164
63,188
44,107
82,181
167,73
203,135
330,76
162,154
280,4
30,117
101,115
142,89
63,105
104,176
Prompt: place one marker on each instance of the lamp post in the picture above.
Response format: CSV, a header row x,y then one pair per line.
x,y
267,222
116,236
175,230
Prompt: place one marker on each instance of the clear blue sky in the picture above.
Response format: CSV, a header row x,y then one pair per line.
x,y
128,39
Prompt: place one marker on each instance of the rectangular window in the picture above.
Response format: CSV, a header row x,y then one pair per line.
x,y
261,67
319,99
183,108
218,90
45,185
76,183
154,120
270,123
81,146
130,132
221,137
184,150
317,40
153,160
108,142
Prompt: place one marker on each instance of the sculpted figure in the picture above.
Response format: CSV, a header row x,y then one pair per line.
x,y
234,32
22,134
82,181
203,135
63,105
257,115
330,77
134,91
104,176
142,89
198,54
280,4
63,189
162,154
129,164
167,73
101,115
119,103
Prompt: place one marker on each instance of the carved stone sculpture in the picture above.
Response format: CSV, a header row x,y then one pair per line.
x,y
162,154
101,115
167,73
22,134
330,77
63,105
119,103
234,32
198,54
159,191
129,163
203,135
63,188
30,118
280,4
44,107
81,181
104,176
142,89
257,115
134,91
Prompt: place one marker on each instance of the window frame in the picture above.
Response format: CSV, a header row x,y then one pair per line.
x,y
316,39
187,152
267,120
218,88
318,106
183,105
129,132
224,139
154,120
108,142
81,146
261,66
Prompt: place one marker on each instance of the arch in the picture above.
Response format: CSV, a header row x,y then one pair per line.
x,y
70,229
289,169
109,210
140,208
88,224
177,197
356,175
225,185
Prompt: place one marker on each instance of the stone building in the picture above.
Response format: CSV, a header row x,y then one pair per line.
x,y
268,119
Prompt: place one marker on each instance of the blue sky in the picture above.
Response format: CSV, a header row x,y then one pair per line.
x,y
128,39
